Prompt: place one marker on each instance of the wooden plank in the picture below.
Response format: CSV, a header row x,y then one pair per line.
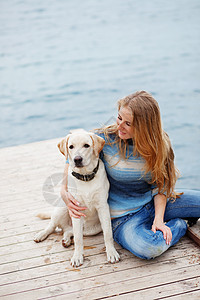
x,y
34,226
53,246
93,259
194,233
106,285
174,290
194,295
21,223
50,264
39,260
57,262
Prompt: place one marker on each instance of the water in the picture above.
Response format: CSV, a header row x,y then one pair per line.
x,y
64,64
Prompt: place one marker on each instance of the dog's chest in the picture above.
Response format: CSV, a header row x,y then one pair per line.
x,y
89,193
88,197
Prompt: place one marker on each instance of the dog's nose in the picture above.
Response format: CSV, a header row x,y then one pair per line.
x,y
78,161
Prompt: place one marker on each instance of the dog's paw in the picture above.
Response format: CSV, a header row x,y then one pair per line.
x,y
112,255
41,236
77,260
66,242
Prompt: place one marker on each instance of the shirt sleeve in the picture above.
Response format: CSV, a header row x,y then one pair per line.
x,y
154,190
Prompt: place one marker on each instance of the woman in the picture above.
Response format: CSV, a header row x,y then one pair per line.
x,y
147,214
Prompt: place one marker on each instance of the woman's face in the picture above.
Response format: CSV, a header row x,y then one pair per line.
x,y
125,123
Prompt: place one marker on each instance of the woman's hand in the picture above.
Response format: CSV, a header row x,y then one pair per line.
x,y
75,210
158,223
167,234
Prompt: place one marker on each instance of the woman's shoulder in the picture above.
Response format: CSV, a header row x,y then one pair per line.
x,y
110,137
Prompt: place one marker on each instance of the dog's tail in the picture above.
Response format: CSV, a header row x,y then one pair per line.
x,y
44,216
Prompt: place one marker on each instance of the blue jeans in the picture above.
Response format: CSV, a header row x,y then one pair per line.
x,y
133,231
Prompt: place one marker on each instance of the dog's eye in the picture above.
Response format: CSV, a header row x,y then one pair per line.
x,y
86,146
71,147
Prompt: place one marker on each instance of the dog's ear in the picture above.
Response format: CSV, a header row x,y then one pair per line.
x,y
98,143
63,146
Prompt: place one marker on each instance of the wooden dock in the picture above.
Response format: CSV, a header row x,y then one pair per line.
x,y
30,183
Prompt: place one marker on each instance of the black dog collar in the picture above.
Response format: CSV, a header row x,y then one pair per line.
x,y
86,177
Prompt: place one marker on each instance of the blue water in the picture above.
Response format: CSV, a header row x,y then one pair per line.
x,y
64,64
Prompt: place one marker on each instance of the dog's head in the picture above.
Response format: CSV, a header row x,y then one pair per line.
x,y
81,147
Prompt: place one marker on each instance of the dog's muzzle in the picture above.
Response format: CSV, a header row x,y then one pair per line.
x,y
78,160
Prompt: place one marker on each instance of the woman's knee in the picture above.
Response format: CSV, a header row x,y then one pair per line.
x,y
141,242
147,249
146,244
178,228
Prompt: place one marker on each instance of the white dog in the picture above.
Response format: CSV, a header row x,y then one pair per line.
x,y
88,183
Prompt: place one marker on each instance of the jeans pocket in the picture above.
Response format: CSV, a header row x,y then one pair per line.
x,y
118,221
115,223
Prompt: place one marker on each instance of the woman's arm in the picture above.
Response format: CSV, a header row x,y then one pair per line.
x,y
158,223
70,201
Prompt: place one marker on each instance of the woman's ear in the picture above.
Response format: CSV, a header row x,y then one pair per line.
x,y
98,143
63,146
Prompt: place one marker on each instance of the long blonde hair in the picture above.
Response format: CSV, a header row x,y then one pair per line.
x,y
150,141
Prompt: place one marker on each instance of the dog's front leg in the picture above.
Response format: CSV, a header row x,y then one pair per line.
x,y
104,217
77,258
